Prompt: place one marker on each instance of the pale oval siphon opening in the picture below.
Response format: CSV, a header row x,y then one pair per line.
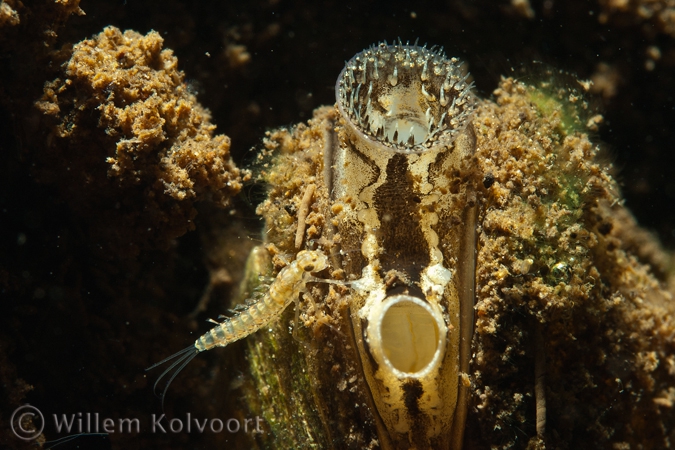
x,y
404,97
412,335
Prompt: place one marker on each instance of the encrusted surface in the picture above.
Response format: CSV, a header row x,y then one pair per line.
x,y
127,129
658,13
310,391
550,256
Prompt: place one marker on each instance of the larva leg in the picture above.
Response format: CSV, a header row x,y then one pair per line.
x,y
296,323
217,278
319,318
203,301
310,301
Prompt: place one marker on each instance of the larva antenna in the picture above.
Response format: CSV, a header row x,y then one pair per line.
x,y
327,281
184,357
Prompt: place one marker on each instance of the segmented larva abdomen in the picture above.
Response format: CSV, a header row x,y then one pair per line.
x,y
287,286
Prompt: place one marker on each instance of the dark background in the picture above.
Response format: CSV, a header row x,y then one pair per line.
x,y
80,330
298,48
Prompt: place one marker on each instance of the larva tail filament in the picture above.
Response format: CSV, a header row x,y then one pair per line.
x,y
182,359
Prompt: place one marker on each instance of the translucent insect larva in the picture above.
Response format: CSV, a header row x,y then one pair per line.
x,y
286,287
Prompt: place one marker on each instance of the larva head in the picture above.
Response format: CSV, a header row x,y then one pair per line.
x,y
406,97
311,261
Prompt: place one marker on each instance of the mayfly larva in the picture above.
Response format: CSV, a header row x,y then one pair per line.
x,y
286,288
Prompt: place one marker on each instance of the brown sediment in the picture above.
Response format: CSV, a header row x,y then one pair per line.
x,y
522,8
138,148
556,251
641,243
41,18
605,80
288,173
118,96
9,15
659,13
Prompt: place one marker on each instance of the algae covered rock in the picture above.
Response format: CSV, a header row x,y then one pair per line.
x,y
125,125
